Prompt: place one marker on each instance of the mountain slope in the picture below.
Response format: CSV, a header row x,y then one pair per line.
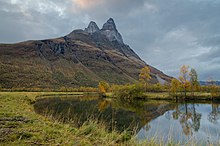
x,y
81,58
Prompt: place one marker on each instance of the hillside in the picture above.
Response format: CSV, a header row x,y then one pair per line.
x,y
81,58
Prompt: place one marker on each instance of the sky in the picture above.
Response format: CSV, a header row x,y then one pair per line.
x,y
164,33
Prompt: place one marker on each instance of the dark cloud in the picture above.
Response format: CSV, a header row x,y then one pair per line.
x,y
166,34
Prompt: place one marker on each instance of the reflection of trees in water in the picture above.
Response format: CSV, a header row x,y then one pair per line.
x,y
186,114
146,127
123,114
196,118
188,117
83,110
145,111
168,115
133,107
103,104
214,115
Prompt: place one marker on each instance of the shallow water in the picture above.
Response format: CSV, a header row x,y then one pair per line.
x,y
180,122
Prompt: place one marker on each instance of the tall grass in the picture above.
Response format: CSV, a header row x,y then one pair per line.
x,y
39,130
20,125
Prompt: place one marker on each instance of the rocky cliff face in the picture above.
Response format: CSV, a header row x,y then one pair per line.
x,y
93,27
81,58
110,31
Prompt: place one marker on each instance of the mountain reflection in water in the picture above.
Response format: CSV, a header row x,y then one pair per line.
x,y
159,119
117,114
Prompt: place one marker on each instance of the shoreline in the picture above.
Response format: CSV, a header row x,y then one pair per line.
x,y
20,125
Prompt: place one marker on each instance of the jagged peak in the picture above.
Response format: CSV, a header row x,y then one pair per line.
x,y
92,27
111,20
110,31
109,25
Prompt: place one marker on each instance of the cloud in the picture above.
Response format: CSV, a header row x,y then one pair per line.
x,y
87,4
151,7
165,35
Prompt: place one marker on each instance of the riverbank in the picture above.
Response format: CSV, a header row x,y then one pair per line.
x,y
180,96
197,96
20,125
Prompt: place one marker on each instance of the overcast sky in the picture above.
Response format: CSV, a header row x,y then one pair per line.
x,y
164,33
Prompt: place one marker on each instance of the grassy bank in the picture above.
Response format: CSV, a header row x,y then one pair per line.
x,y
20,125
159,92
166,96
136,92
180,96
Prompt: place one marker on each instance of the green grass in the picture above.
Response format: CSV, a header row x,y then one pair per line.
x,y
167,96
20,125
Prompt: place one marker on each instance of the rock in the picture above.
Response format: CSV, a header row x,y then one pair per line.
x,y
109,25
110,31
81,58
93,27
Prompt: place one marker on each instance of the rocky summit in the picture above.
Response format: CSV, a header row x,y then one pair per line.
x,y
110,31
93,27
81,58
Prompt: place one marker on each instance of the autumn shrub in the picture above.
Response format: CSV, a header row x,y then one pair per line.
x,y
103,87
215,91
155,88
134,91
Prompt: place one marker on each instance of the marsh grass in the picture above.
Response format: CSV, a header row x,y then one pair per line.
x,y
20,125
197,96
169,140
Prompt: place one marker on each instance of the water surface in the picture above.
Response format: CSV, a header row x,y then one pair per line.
x,y
162,120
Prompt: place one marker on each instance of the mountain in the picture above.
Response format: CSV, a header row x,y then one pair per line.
x,y
206,83
81,58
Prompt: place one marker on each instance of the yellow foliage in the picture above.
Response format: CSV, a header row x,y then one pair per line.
x,y
184,70
175,85
103,105
103,87
214,91
144,76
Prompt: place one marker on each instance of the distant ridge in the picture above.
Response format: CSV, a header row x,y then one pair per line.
x,y
81,58
205,83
